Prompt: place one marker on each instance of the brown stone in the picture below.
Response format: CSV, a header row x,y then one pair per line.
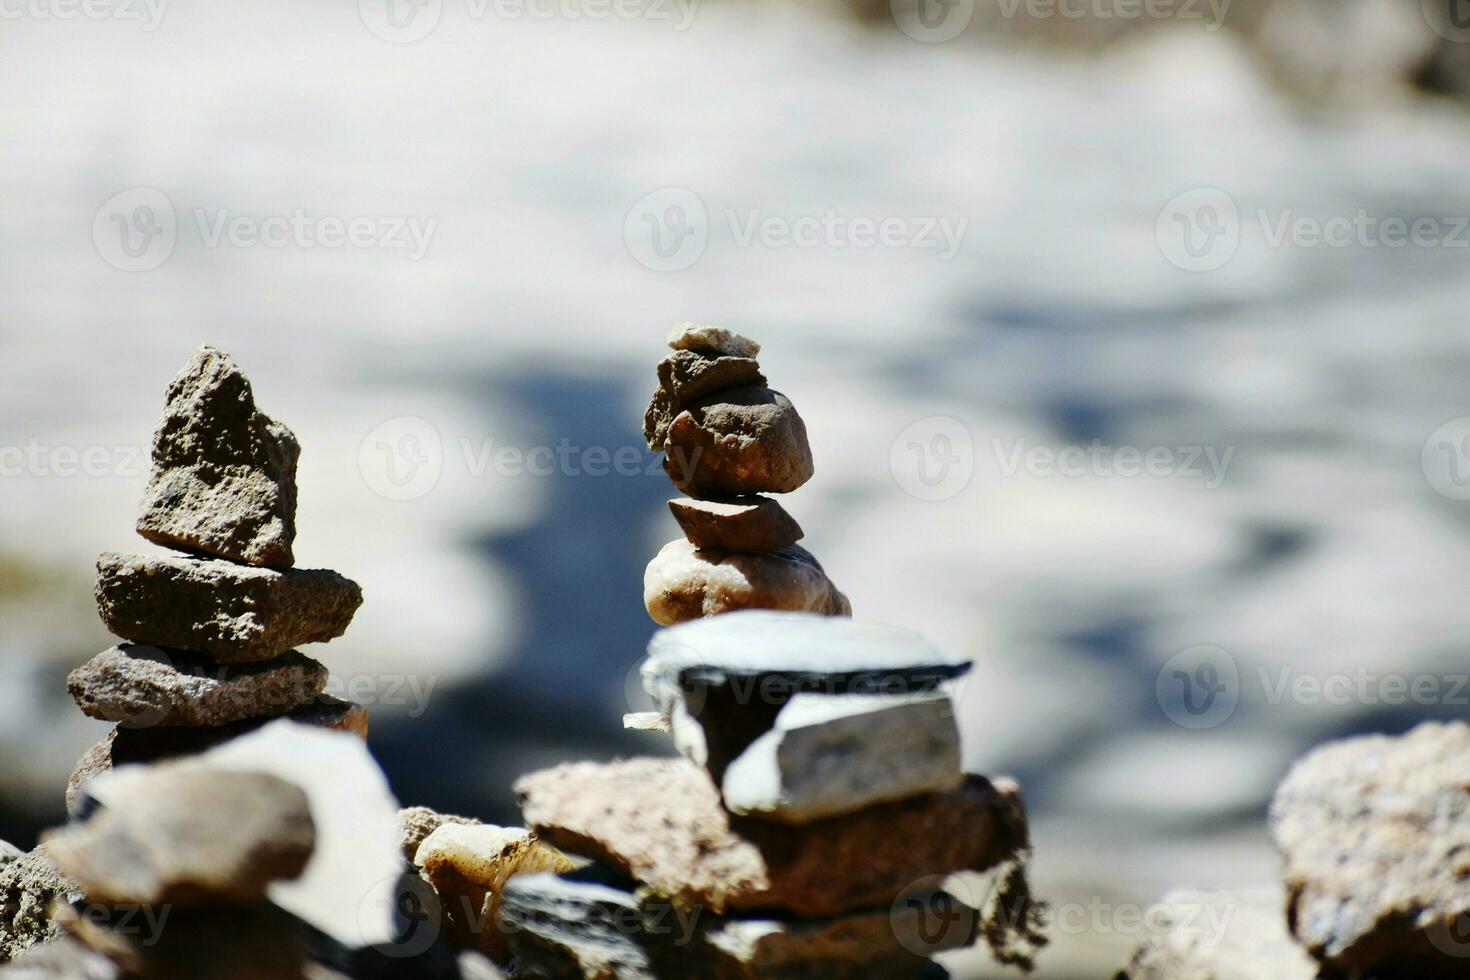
x,y
745,525
234,613
686,376
660,822
684,583
224,474
243,942
29,886
738,442
418,822
713,341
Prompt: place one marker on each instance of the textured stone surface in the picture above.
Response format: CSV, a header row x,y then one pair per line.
x,y
235,613
741,441
711,340
224,474
126,745
28,886
660,822
61,959
1373,836
8,852
685,377
684,583
142,686
746,526
177,834
469,865
829,755
418,822
1239,935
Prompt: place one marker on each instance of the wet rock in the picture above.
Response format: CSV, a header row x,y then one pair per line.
x,y
224,474
235,613
29,885
180,835
1372,833
61,959
142,686
829,755
714,341
418,822
1238,935
685,377
738,442
660,822
684,583
746,526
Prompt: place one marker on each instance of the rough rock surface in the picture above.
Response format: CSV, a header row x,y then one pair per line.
x,y
224,474
28,886
235,613
1238,935
737,442
745,526
469,864
8,852
124,745
684,583
685,377
1373,834
714,341
418,822
660,822
178,834
830,755
142,686
61,959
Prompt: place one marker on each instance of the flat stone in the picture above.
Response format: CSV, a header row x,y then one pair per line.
x,y
28,887
589,923
143,686
469,865
738,442
745,526
660,822
646,721
187,836
1231,935
711,340
224,474
418,822
829,755
234,613
685,377
61,959
684,583
123,745
1372,833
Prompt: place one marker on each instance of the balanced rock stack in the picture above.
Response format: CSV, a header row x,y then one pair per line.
x,y
212,630
810,830
727,440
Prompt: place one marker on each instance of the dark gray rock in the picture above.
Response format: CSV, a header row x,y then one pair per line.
x,y
738,442
224,474
235,613
745,525
684,377
1236,935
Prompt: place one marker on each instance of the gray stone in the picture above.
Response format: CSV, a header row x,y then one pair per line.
x,y
224,474
714,341
746,525
28,887
685,377
738,442
235,613
8,852
1372,833
61,959
142,686
828,755
175,834
683,583
1233,935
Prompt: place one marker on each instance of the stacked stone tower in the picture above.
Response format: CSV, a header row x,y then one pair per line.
x,y
728,440
211,630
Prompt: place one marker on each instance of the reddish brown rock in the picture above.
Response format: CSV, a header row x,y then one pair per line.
x,y
745,526
684,583
738,442
660,822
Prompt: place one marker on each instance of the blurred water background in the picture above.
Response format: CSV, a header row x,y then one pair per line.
x,y
504,612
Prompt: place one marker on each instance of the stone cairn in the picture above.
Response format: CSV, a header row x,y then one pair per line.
x,y
728,440
211,630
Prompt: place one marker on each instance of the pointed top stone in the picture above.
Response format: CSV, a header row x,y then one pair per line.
x,y
714,341
224,473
